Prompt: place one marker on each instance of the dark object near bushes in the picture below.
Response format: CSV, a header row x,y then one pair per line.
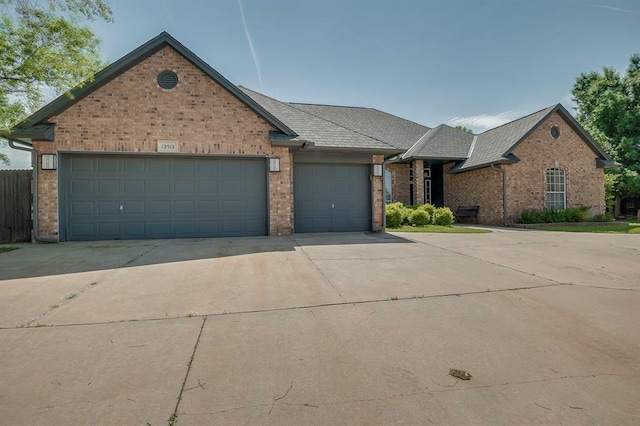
x,y
468,211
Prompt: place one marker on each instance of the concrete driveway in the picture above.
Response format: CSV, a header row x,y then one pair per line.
x,y
323,329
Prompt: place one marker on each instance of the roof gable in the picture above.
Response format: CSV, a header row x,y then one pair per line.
x,y
496,145
441,142
128,61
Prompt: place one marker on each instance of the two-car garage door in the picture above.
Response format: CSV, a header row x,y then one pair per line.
x,y
130,197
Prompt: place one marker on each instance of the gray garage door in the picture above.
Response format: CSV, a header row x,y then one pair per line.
x,y
107,197
332,197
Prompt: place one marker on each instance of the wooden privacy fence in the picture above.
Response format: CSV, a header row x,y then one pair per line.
x,y
15,205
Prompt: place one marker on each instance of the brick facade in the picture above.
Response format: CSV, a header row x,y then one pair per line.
x,y
482,187
399,182
132,112
526,187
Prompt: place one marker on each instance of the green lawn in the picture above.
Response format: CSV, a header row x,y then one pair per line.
x,y
632,228
440,229
4,249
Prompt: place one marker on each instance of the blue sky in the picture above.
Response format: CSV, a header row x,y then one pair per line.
x,y
478,63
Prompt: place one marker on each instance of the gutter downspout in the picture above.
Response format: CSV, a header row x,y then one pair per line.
x,y
504,193
34,165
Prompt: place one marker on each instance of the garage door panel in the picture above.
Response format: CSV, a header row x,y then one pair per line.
x,y
162,207
106,187
332,197
107,164
79,165
82,208
133,186
83,186
168,197
159,186
108,229
184,186
106,208
160,166
130,207
133,165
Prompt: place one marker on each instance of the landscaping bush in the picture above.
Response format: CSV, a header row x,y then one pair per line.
x,y
443,216
429,208
419,217
570,214
531,216
394,215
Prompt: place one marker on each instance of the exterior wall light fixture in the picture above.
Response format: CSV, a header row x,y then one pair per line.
x,y
274,164
49,162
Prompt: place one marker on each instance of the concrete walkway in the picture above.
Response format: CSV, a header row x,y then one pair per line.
x,y
323,329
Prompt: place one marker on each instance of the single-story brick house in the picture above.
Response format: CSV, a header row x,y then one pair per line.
x,y
160,145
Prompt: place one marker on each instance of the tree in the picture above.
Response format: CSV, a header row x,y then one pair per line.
x,y
463,128
44,51
609,108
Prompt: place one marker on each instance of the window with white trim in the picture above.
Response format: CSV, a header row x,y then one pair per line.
x,y
388,185
556,189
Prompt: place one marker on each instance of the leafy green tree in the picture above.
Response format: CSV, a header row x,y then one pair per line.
x,y
45,50
463,128
609,108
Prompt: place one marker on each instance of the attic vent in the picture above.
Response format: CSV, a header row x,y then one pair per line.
x,y
555,132
167,79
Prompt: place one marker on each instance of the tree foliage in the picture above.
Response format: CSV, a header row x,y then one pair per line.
x,y
463,128
609,108
45,50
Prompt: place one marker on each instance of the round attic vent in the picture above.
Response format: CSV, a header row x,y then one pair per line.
x,y
555,132
167,79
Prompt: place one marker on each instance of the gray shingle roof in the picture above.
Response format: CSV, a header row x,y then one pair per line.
x,y
495,144
393,130
441,142
343,127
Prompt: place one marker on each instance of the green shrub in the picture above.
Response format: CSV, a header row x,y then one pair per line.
x,y
607,217
419,217
531,216
443,216
397,205
406,212
429,208
553,216
394,215
577,214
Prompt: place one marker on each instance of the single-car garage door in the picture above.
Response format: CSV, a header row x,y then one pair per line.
x,y
332,197
107,197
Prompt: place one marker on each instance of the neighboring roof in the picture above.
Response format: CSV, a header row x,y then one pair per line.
x,y
495,146
128,61
313,125
441,142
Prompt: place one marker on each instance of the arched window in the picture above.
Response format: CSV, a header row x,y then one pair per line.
x,y
556,189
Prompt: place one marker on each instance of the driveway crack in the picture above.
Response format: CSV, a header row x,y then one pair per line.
x,y
174,417
322,274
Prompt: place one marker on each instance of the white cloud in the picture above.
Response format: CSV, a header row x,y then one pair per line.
x,y
482,122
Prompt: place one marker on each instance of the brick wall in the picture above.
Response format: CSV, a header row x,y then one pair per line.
x,y
131,113
399,182
482,187
526,187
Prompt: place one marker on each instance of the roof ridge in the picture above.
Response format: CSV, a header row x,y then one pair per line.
x,y
521,118
328,105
